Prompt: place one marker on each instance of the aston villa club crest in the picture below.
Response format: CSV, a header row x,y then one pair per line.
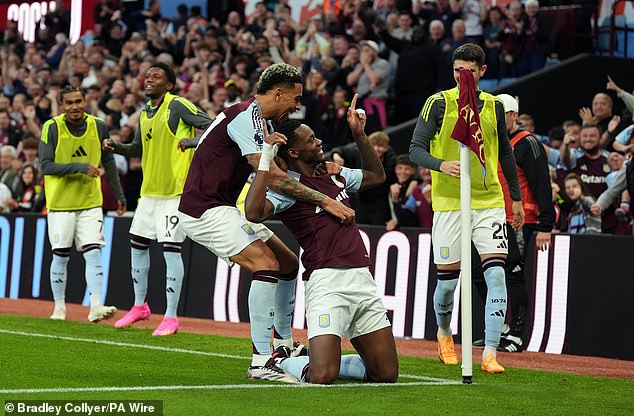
x,y
247,229
324,320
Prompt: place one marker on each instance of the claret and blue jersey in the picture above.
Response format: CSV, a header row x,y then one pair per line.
x,y
325,240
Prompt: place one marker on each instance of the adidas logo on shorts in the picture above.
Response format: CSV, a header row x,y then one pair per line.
x,y
503,245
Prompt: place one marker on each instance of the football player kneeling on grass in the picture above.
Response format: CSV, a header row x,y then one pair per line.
x,y
341,296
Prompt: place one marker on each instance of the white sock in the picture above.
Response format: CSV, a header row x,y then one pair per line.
x,y
258,360
95,299
288,342
489,350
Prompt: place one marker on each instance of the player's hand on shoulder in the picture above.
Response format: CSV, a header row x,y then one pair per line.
x,y
339,210
329,168
336,157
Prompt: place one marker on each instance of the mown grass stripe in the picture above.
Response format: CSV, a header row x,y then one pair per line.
x,y
125,344
226,387
430,380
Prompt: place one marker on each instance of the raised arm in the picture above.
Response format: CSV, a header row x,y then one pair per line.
x,y
373,172
627,98
256,207
565,153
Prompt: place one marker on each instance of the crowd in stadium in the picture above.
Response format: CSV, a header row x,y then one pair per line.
x,y
393,56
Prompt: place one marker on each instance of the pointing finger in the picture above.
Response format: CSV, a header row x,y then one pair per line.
x,y
266,130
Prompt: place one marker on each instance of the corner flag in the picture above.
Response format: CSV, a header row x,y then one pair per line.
x,y
467,130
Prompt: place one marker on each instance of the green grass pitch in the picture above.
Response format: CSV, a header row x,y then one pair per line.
x,y
205,375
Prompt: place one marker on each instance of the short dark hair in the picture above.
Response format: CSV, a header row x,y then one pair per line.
x,y
68,89
556,133
169,72
30,143
575,177
277,74
403,159
469,52
288,129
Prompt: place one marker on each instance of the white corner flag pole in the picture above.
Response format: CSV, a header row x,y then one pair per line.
x,y
465,263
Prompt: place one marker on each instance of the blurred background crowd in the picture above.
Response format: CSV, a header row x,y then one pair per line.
x,y
394,54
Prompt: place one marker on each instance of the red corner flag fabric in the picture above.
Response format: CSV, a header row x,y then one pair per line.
x,y
467,130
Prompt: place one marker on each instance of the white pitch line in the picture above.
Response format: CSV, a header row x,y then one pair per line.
x,y
125,344
226,387
428,380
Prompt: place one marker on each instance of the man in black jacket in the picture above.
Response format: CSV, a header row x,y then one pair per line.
x,y
420,72
534,178
371,206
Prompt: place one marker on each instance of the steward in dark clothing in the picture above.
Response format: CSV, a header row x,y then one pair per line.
x,y
371,206
419,72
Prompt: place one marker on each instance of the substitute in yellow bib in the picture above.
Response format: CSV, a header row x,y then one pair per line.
x,y
70,152
433,147
163,140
